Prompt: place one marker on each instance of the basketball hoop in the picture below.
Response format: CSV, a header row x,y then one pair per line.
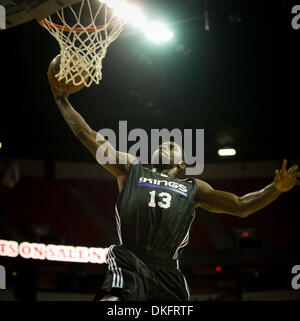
x,y
84,30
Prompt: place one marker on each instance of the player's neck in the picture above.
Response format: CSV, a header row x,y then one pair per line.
x,y
168,171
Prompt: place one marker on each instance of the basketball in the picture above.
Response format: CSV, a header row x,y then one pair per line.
x,y
62,86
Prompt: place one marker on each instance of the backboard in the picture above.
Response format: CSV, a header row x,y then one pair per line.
x,y
21,11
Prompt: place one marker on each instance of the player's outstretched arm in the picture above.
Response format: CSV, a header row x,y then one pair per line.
x,y
223,202
117,163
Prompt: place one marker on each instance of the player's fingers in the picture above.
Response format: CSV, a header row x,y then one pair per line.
x,y
277,173
283,166
293,169
297,175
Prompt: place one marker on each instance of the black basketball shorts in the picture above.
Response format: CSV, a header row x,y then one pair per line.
x,y
134,276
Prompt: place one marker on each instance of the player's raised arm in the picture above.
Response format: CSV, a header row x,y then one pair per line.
x,y
223,202
120,162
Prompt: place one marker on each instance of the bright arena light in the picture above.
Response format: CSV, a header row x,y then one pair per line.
x,y
227,152
129,12
157,32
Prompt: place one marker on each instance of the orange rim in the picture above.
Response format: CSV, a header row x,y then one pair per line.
x,y
50,25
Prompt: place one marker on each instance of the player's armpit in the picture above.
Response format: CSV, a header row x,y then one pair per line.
x,y
217,201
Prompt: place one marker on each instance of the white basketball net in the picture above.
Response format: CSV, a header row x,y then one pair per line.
x,y
88,41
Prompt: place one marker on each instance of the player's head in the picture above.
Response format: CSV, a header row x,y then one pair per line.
x,y
169,155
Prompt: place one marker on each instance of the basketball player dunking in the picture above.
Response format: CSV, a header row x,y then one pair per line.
x,y
154,213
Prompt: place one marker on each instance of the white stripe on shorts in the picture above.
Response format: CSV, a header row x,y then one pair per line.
x,y
186,287
118,280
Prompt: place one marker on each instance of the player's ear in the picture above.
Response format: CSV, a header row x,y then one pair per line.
x,y
182,166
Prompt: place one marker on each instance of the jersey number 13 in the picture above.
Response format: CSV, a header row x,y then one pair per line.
x,y
165,199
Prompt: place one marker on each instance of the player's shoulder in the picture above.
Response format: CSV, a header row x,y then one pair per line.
x,y
134,163
202,186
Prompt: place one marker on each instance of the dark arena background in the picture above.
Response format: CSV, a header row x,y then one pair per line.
x,y
228,70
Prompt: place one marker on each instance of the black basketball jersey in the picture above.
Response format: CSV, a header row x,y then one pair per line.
x,y
154,212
